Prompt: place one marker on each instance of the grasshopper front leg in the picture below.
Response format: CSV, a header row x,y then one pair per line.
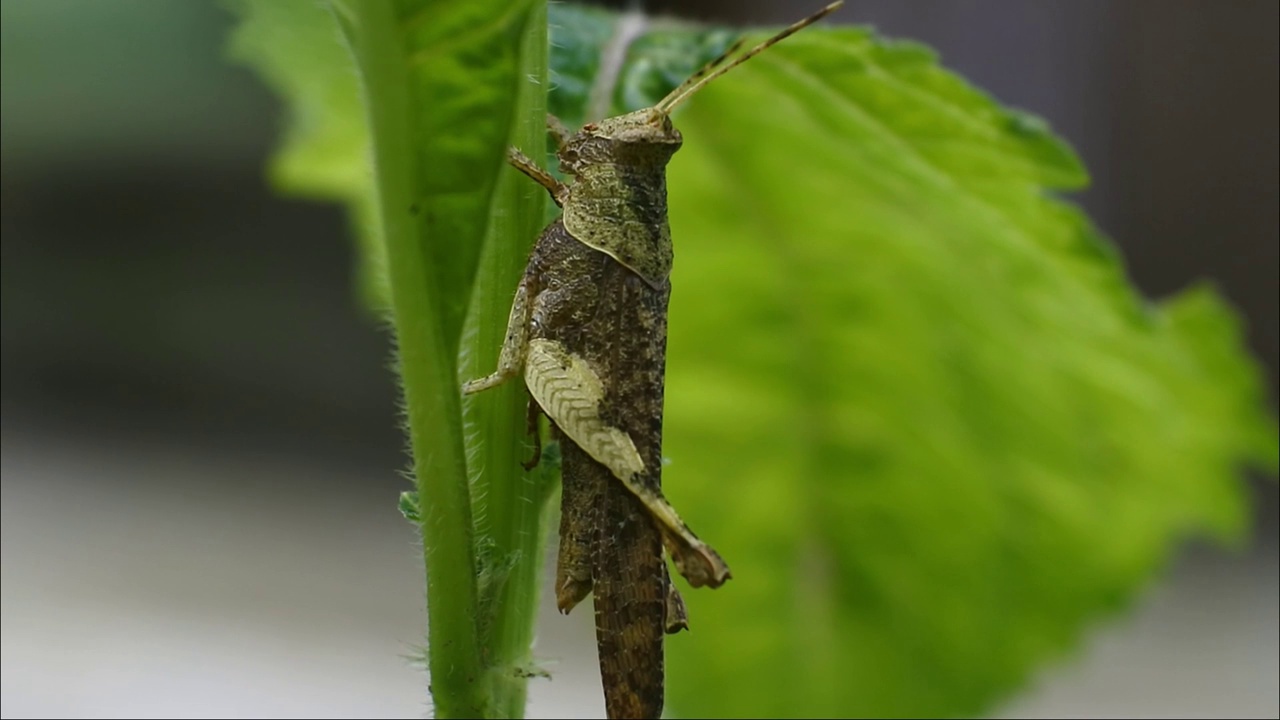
x,y
559,133
558,190
514,346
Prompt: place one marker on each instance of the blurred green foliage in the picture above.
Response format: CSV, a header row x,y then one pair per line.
x,y
326,142
912,397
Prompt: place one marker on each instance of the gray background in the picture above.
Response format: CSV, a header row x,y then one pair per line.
x,y
199,434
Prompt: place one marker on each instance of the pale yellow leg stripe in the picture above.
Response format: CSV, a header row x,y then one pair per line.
x,y
570,392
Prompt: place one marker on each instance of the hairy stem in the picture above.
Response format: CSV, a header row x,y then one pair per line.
x,y
427,367
511,502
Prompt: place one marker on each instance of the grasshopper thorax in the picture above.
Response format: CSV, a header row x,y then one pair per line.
x,y
618,201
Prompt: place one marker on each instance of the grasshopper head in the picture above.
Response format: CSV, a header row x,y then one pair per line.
x,y
649,126
644,138
647,137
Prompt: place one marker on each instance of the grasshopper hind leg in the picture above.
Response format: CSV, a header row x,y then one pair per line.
x,y
534,412
583,486
571,394
676,616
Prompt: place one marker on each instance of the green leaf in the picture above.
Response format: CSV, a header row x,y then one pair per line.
x,y
409,507
911,397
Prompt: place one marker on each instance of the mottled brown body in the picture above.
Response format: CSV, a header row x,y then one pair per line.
x,y
611,317
588,329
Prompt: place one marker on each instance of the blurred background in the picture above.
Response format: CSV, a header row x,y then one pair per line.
x,y
200,442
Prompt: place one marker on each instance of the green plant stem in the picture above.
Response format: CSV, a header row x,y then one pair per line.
x,y
427,368
513,502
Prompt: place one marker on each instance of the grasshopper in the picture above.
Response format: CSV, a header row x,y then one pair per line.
x,y
588,330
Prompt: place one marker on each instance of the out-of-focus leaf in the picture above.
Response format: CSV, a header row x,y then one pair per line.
x,y
460,60
324,153
912,398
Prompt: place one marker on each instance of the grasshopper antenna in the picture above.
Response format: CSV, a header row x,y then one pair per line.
x,y
713,69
